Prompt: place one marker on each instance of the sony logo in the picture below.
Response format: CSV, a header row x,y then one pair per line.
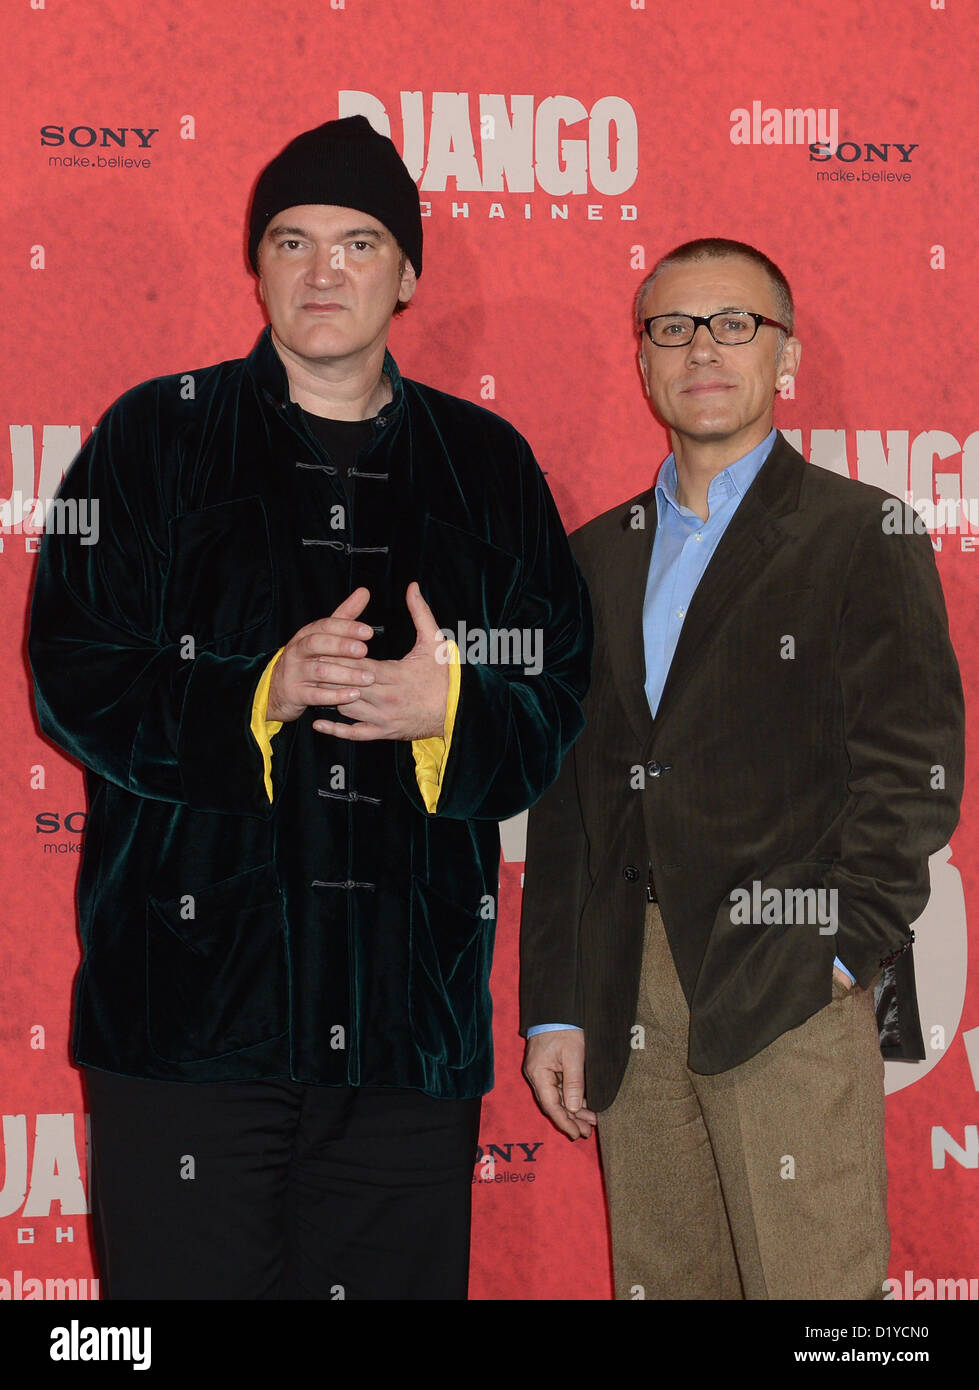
x,y
504,1152
49,822
84,136
849,152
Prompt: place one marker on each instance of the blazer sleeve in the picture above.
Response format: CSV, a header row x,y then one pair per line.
x,y
142,708
553,897
904,729
556,885
513,727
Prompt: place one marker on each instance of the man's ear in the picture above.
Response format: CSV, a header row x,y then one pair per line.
x,y
788,362
408,282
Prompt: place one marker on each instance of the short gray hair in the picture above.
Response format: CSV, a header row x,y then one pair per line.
x,y
715,249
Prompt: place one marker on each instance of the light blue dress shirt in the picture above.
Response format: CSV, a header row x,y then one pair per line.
x,y
682,549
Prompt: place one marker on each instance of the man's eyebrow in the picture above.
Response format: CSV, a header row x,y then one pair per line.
x,y
278,230
286,231
379,232
685,313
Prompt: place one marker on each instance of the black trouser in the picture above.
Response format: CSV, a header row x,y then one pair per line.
x,y
271,1189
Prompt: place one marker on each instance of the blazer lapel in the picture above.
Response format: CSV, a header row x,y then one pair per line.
x,y
625,589
756,531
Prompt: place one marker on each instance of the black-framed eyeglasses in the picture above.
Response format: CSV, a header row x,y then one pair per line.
x,y
730,328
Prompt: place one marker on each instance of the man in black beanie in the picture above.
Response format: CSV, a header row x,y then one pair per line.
x,y
288,892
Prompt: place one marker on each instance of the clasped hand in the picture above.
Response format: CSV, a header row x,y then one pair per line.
x,y
326,664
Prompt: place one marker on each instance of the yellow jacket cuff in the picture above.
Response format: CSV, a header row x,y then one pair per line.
x,y
431,753
263,729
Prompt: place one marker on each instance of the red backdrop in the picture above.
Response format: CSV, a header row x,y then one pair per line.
x,y
560,149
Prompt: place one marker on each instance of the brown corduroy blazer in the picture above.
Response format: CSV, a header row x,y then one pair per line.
x,y
810,735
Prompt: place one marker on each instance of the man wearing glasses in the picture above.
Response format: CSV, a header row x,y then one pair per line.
x,y
773,748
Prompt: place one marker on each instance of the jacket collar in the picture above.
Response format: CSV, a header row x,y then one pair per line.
x,y
732,481
757,530
266,369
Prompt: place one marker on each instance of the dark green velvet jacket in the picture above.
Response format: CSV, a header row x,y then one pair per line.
x,y
341,935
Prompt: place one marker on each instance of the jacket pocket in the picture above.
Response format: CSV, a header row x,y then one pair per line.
x,y
219,580
216,968
466,579
448,976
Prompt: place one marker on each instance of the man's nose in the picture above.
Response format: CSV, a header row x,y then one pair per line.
x,y
326,267
702,344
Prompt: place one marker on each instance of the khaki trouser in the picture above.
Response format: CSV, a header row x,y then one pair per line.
x,y
764,1182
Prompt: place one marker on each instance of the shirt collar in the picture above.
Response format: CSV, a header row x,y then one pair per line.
x,y
734,480
269,373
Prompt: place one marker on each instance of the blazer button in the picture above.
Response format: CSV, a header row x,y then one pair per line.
x,y
657,769
630,873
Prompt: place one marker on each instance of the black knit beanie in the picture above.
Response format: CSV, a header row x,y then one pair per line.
x,y
345,164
